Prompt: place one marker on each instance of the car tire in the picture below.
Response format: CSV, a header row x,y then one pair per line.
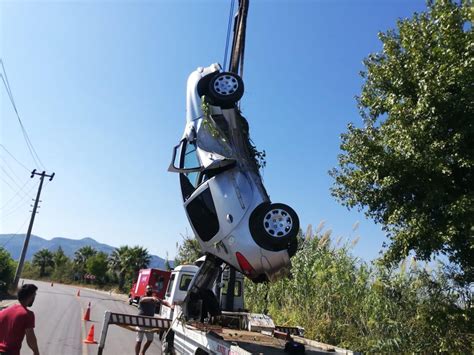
x,y
274,226
225,89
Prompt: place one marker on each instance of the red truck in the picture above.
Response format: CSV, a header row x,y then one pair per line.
x,y
156,278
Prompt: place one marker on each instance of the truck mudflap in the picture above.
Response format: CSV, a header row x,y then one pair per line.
x,y
131,322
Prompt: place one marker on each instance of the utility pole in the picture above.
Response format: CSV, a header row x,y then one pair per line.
x,y
19,269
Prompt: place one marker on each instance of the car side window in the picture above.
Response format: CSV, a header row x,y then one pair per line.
x,y
190,160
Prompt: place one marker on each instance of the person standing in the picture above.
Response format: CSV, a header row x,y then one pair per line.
x,y
17,321
146,307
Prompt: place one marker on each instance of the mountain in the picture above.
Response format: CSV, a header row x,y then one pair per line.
x,y
13,243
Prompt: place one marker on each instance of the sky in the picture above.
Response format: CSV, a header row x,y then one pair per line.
x,y
100,89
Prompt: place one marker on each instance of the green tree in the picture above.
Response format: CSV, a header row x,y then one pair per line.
x,y
97,265
59,258
118,263
7,269
138,258
411,166
188,252
80,259
167,263
42,259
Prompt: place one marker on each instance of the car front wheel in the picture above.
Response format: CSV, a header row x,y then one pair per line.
x,y
225,89
274,226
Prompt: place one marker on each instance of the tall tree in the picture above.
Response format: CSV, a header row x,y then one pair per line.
x,y
188,252
411,166
138,258
80,258
118,260
43,258
59,258
7,269
97,265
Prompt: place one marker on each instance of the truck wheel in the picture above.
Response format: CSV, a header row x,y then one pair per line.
x,y
274,226
225,89
199,351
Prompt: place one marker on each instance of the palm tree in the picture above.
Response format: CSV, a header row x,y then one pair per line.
x,y
59,258
138,258
42,259
81,256
118,263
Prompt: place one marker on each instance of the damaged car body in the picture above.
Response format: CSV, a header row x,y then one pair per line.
x,y
224,198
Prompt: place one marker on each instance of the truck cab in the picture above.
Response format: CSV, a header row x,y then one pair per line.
x,y
156,278
177,290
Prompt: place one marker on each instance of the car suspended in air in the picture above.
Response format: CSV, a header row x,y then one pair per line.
x,y
224,198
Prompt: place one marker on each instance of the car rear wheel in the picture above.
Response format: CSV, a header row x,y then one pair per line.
x,y
225,89
274,226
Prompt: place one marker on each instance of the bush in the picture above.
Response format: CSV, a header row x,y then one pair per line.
x,y
7,270
342,301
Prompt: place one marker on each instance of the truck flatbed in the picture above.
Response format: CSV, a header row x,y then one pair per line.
x,y
233,341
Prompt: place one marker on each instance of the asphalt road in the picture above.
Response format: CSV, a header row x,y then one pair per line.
x,y
60,329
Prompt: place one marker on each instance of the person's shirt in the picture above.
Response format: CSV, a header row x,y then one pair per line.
x,y
14,321
146,308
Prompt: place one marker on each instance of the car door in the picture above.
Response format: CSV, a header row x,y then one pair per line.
x,y
197,197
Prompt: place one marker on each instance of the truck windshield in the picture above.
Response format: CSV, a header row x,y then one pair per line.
x,y
185,281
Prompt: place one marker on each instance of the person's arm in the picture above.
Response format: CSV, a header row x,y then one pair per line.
x,y
148,299
31,340
166,303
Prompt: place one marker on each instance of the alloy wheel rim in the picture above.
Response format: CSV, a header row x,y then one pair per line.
x,y
277,223
226,85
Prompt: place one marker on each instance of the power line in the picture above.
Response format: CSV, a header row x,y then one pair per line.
x,y
21,164
20,203
15,234
10,168
30,146
10,177
11,199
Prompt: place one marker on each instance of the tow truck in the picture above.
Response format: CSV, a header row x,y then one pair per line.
x,y
191,322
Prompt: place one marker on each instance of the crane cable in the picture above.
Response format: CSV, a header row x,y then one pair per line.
x,y
229,25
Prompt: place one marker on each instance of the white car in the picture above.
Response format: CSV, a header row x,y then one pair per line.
x,y
224,198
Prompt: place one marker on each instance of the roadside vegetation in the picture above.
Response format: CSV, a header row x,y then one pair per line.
x,y
413,307
88,266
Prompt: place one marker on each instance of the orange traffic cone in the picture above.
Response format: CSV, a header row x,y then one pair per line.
x,y
78,293
87,315
90,337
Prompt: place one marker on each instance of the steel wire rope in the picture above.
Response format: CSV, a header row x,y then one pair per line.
x,y
30,146
229,27
21,164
